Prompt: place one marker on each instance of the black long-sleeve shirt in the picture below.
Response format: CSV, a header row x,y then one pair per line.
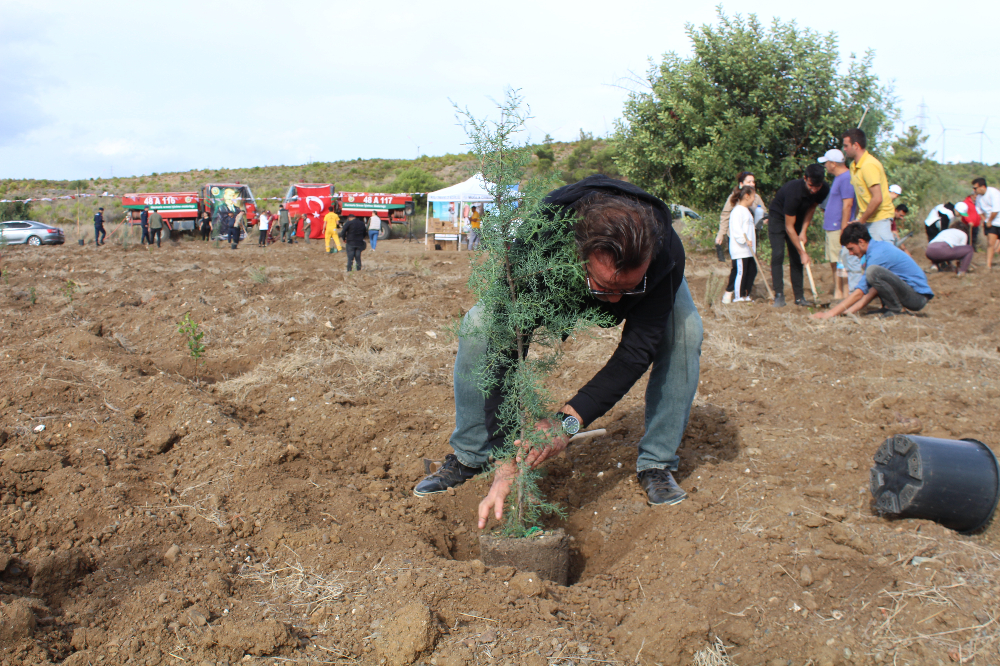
x,y
645,315
354,232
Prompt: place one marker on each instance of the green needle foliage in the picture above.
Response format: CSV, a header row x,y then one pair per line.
x,y
531,287
189,329
69,289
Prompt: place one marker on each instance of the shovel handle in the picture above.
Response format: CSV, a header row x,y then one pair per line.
x,y
812,284
588,434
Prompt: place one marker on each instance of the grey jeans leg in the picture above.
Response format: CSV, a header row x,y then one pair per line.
x,y
881,230
470,439
672,384
895,293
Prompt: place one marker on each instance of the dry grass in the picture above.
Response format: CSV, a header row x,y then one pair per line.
x,y
363,367
713,655
302,590
943,354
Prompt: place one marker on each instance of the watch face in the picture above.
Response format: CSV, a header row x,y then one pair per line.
x,y
571,425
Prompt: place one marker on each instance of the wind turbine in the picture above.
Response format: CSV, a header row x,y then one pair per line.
x,y
982,135
944,132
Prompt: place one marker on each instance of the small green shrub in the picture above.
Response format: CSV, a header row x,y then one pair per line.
x,y
259,275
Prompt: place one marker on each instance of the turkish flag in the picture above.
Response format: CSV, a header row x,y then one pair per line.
x,y
315,202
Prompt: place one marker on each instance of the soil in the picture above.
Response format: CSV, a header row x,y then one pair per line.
x,y
256,506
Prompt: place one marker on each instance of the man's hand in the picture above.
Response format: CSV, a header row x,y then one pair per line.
x,y
493,502
804,257
822,315
557,444
718,238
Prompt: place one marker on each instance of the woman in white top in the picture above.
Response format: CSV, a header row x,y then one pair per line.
x,y
952,244
262,225
742,246
374,229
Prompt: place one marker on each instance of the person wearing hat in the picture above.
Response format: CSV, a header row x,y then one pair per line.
x,y
952,244
840,208
895,191
144,225
99,233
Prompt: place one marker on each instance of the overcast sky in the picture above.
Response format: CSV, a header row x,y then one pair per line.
x,y
106,88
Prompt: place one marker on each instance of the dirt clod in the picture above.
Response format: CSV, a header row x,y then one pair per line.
x,y
172,553
409,634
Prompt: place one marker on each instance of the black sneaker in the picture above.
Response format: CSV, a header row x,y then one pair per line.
x,y
779,301
451,473
803,302
660,487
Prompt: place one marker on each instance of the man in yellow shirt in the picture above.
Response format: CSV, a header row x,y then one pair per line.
x,y
871,187
474,221
330,229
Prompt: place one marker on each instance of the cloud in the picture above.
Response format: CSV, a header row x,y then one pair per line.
x,y
22,77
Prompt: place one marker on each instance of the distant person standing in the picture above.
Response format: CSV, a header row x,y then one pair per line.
x,y
330,222
206,225
144,225
840,207
870,187
894,192
475,223
262,226
374,229
742,246
155,227
790,214
306,227
283,223
743,179
354,231
99,233
988,204
237,228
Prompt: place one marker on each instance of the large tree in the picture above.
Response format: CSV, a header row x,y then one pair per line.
x,y
763,99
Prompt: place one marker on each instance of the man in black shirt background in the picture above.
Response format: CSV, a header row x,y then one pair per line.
x,y
790,213
99,232
634,264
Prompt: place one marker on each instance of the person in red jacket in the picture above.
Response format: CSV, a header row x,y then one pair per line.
x,y
973,219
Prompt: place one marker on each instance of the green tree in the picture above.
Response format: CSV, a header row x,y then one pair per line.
x,y
546,155
766,100
415,179
588,157
15,210
530,287
906,163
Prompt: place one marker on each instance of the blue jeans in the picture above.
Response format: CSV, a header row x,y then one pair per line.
x,y
673,382
373,238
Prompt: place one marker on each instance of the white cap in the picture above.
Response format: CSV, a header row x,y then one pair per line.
x,y
961,207
895,189
832,155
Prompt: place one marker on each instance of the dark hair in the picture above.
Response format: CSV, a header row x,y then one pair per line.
x,y
961,226
741,192
979,182
742,175
815,174
904,208
624,230
856,135
854,232
950,206
101,208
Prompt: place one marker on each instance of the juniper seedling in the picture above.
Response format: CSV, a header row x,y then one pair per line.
x,y
32,296
530,285
189,329
69,289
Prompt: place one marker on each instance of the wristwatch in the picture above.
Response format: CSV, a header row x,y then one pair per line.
x,y
570,424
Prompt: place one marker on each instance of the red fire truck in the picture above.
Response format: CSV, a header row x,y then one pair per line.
x,y
180,210
313,200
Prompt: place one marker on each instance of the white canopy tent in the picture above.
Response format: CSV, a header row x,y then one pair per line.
x,y
471,191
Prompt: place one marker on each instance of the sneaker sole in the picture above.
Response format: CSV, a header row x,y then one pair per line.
x,y
670,503
436,492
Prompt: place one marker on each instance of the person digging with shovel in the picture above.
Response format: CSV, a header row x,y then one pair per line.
x,y
634,266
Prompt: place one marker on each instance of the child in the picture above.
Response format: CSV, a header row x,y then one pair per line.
x,y
742,246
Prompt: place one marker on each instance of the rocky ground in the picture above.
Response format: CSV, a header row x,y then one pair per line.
x,y
255,506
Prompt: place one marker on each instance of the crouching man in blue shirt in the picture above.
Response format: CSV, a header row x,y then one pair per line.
x,y
890,274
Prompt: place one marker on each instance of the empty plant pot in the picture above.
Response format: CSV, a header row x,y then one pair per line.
x,y
546,554
953,482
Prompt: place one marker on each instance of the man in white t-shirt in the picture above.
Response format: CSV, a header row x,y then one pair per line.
x,y
988,204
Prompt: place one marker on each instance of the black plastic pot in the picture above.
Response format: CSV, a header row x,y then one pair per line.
x,y
720,253
953,482
80,242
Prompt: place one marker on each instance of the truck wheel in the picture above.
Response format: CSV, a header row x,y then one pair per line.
x,y
385,232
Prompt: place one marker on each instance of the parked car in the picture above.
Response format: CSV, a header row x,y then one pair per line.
x,y
680,212
33,233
